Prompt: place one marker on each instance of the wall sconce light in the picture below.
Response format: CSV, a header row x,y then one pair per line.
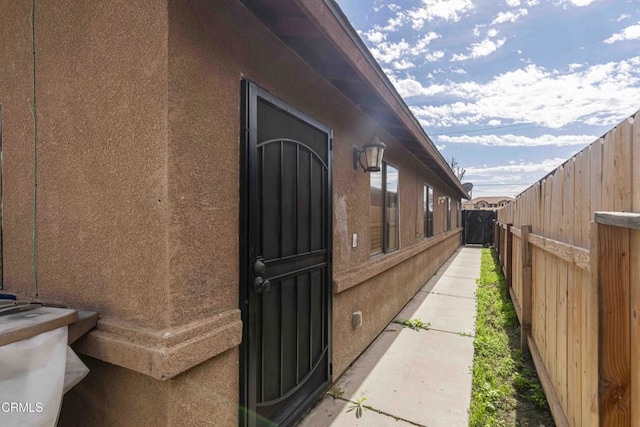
x,y
373,151
441,199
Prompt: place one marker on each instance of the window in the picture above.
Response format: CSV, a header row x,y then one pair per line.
x,y
428,211
384,213
457,214
448,213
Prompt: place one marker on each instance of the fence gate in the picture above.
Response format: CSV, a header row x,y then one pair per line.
x,y
478,227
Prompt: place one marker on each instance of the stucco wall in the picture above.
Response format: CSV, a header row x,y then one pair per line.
x,y
138,152
100,144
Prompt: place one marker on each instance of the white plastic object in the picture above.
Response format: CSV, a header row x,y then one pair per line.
x,y
32,375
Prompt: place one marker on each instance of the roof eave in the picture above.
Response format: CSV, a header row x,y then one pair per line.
x,y
364,63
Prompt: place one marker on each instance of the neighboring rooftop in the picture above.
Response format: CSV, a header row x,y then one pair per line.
x,y
496,199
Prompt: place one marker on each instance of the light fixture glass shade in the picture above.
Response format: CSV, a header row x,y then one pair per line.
x,y
374,150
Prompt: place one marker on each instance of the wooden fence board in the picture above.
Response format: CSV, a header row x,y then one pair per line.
x,y
538,323
569,253
547,384
622,166
572,305
592,322
634,316
608,172
596,177
550,278
561,295
634,256
581,277
614,330
619,219
526,275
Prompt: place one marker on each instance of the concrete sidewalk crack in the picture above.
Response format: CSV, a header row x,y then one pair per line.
x,y
460,277
447,295
461,334
381,412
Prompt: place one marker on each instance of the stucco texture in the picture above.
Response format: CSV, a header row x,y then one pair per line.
x,y
16,88
137,203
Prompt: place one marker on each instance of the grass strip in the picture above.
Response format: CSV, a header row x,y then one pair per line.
x,y
506,390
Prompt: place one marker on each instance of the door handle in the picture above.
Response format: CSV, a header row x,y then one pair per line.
x,y
258,268
260,285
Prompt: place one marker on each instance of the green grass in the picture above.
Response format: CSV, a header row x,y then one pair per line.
x,y
506,390
415,324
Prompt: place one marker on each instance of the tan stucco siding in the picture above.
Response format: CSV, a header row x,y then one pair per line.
x,y
101,104
138,111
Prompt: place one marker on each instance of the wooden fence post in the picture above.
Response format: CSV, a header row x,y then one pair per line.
x,y
508,262
610,270
527,291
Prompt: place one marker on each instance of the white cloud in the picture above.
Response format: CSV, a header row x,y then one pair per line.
x,y
546,165
478,50
509,16
510,179
403,64
434,56
409,86
579,3
446,10
425,40
492,32
511,140
458,71
441,147
513,3
375,36
623,17
632,32
575,66
599,94
387,52
494,122
533,2
394,7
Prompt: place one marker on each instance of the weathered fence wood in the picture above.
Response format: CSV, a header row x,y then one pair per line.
x,y
516,232
614,327
508,256
525,319
619,219
634,316
572,254
634,257
547,385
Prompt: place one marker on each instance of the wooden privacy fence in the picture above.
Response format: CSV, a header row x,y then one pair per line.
x,y
569,247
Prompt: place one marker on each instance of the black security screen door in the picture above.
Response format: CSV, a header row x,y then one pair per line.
x,y
286,266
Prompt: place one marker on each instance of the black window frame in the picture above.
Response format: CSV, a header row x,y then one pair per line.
x,y
384,245
448,220
428,206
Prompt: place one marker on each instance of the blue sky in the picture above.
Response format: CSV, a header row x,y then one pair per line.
x,y
510,88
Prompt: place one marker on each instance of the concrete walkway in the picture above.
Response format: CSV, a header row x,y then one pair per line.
x,y
412,377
